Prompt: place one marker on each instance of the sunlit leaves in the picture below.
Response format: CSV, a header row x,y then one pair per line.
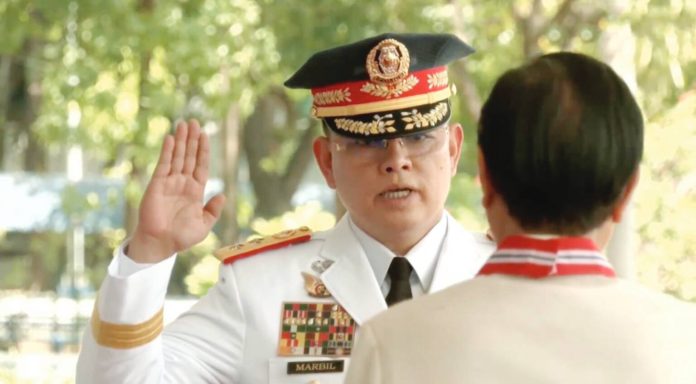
x,y
310,215
133,73
666,202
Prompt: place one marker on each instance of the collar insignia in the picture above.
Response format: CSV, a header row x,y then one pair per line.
x,y
314,286
320,266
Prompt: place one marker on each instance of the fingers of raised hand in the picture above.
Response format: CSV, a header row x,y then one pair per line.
x,y
180,144
187,152
200,171
213,209
164,164
192,147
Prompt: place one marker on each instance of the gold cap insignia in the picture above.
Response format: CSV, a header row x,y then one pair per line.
x,y
314,286
388,62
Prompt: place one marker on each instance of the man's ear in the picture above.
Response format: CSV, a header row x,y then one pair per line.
x,y
322,154
455,146
620,207
484,179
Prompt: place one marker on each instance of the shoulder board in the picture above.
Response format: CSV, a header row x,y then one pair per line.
x,y
235,252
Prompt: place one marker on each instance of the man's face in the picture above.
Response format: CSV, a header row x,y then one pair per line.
x,y
394,186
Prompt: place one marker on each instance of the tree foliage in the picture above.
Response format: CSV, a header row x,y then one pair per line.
x,y
113,76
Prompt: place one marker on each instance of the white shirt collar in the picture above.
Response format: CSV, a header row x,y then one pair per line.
x,y
423,256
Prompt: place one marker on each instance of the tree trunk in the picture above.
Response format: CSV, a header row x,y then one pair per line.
x,y
25,103
138,168
275,112
534,24
231,136
469,97
5,66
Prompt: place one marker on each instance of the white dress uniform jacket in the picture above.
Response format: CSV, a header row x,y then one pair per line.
x,y
232,334
510,329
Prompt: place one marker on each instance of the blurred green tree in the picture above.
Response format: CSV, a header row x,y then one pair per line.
x,y
114,76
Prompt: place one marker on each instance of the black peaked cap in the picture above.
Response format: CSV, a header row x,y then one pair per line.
x,y
347,62
382,87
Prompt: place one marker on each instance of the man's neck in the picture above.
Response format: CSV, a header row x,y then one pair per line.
x,y
600,235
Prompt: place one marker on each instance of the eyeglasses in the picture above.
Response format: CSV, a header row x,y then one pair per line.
x,y
416,144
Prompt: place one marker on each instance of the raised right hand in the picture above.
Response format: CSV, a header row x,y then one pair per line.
x,y
172,215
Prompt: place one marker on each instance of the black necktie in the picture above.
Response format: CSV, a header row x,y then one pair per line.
x,y
399,272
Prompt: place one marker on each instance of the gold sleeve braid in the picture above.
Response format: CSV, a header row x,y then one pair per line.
x,y
126,336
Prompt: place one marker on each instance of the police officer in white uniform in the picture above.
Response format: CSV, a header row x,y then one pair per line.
x,y
560,142
287,308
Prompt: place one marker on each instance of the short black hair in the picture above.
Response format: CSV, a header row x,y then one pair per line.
x,y
561,137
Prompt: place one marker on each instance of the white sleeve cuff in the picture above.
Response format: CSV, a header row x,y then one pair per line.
x,y
133,292
125,266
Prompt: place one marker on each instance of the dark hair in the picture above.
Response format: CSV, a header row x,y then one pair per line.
x,y
561,137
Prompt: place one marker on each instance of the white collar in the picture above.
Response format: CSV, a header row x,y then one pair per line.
x,y
423,256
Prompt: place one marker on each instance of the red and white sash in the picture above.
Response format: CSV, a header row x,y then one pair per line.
x,y
536,258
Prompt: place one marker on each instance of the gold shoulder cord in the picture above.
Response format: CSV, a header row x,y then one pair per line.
x,y
126,336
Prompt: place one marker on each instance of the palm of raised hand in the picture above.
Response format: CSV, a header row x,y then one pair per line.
x,y
172,214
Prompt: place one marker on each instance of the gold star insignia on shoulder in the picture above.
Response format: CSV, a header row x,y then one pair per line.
x,y
231,253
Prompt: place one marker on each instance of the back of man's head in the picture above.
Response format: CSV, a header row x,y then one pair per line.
x,y
561,138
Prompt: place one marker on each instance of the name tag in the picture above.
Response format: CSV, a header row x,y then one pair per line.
x,y
318,366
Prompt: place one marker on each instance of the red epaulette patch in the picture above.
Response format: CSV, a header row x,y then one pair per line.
x,y
231,253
